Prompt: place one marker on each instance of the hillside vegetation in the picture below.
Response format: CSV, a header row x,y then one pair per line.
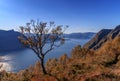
x,y
101,37
83,65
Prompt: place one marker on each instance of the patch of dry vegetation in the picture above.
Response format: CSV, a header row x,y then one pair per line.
x,y
83,65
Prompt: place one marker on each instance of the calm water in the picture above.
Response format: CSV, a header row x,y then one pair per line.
x,y
18,60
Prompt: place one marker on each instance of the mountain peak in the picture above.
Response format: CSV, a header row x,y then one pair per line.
x,y
12,30
117,27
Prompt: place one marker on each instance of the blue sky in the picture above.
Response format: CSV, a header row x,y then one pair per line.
x,y
80,15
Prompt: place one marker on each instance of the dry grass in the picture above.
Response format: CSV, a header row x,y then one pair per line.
x,y
83,65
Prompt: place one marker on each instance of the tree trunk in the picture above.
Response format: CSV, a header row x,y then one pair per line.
x,y
43,67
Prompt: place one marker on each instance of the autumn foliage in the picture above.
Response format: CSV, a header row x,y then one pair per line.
x,y
39,35
82,65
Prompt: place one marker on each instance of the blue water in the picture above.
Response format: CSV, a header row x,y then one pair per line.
x,y
18,60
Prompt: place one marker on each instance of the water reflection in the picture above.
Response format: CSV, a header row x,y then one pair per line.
x,y
18,60
5,63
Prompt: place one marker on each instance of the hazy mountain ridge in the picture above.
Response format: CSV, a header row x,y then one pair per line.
x,y
101,37
86,35
9,39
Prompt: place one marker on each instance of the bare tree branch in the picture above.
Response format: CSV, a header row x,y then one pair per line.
x,y
37,35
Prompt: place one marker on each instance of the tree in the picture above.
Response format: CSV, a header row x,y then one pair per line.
x,y
39,35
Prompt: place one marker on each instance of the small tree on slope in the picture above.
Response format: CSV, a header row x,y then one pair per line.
x,y
41,38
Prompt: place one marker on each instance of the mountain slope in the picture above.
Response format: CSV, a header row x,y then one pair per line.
x,y
101,37
9,41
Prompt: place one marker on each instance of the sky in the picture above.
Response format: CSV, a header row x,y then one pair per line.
x,y
80,15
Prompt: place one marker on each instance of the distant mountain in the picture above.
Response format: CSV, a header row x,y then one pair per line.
x,y
9,41
87,35
101,37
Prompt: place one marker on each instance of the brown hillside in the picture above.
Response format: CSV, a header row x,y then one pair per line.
x,y
102,37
